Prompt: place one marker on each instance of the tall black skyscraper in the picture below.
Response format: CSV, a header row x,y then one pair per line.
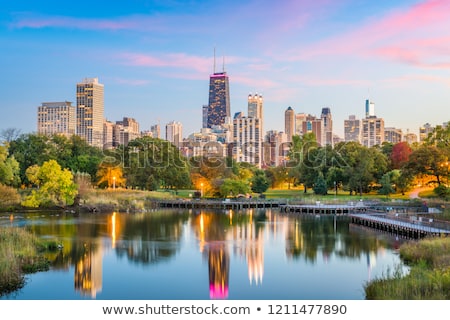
x,y
219,99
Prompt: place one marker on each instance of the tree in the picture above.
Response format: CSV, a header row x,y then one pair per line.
x,y
400,154
386,185
440,137
320,185
9,134
9,168
429,160
302,157
259,182
276,175
55,185
231,187
73,153
150,163
110,176
362,166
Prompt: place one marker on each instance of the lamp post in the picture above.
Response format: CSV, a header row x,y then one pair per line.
x,y
114,183
335,188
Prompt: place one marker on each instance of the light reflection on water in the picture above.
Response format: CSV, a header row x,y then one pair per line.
x,y
189,254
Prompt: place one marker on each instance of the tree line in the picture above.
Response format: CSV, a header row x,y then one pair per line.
x,y
54,169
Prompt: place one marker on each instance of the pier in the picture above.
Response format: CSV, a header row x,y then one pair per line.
x,y
416,229
220,204
400,221
323,209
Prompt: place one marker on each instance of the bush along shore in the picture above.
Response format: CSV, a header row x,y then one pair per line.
x,y
21,253
428,278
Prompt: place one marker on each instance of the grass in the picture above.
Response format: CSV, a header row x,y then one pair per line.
x,y
122,199
428,279
20,253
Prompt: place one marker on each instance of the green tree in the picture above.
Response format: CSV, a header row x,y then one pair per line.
x,y
386,185
276,175
440,138
362,166
231,187
149,163
9,168
302,159
259,182
73,153
429,160
55,185
320,185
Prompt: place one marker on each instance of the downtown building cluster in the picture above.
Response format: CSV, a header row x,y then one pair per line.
x,y
241,136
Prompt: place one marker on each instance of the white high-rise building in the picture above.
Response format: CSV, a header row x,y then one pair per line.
x,y
174,133
255,108
372,127
57,118
90,111
247,140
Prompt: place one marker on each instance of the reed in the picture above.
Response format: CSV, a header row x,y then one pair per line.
x,y
429,276
19,254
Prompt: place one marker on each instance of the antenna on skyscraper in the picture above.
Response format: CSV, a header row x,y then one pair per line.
x,y
223,64
214,66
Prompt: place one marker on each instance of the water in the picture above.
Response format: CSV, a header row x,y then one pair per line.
x,y
189,254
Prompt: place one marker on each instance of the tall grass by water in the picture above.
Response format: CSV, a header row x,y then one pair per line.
x,y
19,254
429,276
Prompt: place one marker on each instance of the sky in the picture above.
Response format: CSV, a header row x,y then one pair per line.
x,y
155,57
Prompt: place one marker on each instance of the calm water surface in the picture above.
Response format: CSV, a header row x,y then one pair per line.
x,y
188,254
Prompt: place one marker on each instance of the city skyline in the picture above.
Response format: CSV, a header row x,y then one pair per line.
x,y
155,59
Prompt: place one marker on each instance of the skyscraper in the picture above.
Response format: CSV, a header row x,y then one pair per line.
x,y
372,127
255,106
219,99
316,126
90,110
327,126
57,118
289,123
352,129
205,109
370,108
156,131
247,140
174,133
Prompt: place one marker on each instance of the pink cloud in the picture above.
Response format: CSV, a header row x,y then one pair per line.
x,y
172,60
416,36
179,61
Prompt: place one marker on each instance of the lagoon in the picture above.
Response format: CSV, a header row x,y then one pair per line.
x,y
177,254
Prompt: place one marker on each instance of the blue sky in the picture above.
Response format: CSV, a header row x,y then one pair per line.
x,y
155,58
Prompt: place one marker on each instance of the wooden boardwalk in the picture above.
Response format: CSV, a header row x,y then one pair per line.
x,y
412,229
219,204
323,209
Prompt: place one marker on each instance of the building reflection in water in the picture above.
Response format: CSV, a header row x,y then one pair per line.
x,y
88,271
211,233
218,269
250,238
215,230
88,267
